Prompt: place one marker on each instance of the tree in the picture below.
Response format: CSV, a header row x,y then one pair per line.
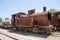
x,y
7,18
59,16
0,19
52,10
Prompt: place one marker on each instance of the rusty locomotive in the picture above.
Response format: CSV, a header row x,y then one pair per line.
x,y
34,22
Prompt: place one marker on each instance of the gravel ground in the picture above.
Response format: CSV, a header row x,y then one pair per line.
x,y
29,36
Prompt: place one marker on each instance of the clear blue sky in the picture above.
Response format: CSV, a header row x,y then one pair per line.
x,y
9,7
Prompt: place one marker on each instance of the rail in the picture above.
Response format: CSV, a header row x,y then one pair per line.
x,y
9,36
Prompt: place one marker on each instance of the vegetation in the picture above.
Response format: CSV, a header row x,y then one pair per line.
x,y
52,10
7,18
0,19
59,16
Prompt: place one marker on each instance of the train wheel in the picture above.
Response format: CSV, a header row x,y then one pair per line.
x,y
5,27
30,29
35,30
13,28
26,30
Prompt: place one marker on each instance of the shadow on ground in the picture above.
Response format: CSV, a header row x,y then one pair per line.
x,y
30,34
58,30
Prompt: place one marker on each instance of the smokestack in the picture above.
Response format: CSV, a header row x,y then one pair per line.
x,y
31,11
44,9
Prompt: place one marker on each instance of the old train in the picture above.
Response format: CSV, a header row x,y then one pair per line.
x,y
55,20
33,22
36,22
6,24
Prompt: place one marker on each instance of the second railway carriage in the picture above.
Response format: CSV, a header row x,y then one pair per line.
x,y
6,24
55,20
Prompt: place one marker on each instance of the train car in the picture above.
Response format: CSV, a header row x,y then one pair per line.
x,y
55,20
34,22
6,24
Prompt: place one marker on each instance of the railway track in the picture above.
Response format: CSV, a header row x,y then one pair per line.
x,y
8,36
56,34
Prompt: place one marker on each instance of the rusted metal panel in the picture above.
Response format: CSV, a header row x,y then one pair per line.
x,y
23,21
26,21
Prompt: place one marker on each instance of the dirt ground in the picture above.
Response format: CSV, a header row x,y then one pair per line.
x,y
29,36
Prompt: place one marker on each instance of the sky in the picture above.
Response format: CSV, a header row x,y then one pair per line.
x,y
9,7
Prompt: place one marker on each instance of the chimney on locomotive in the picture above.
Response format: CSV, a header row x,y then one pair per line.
x,y
44,9
31,11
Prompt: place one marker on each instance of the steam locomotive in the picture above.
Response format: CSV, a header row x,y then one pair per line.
x,y
36,22
33,22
